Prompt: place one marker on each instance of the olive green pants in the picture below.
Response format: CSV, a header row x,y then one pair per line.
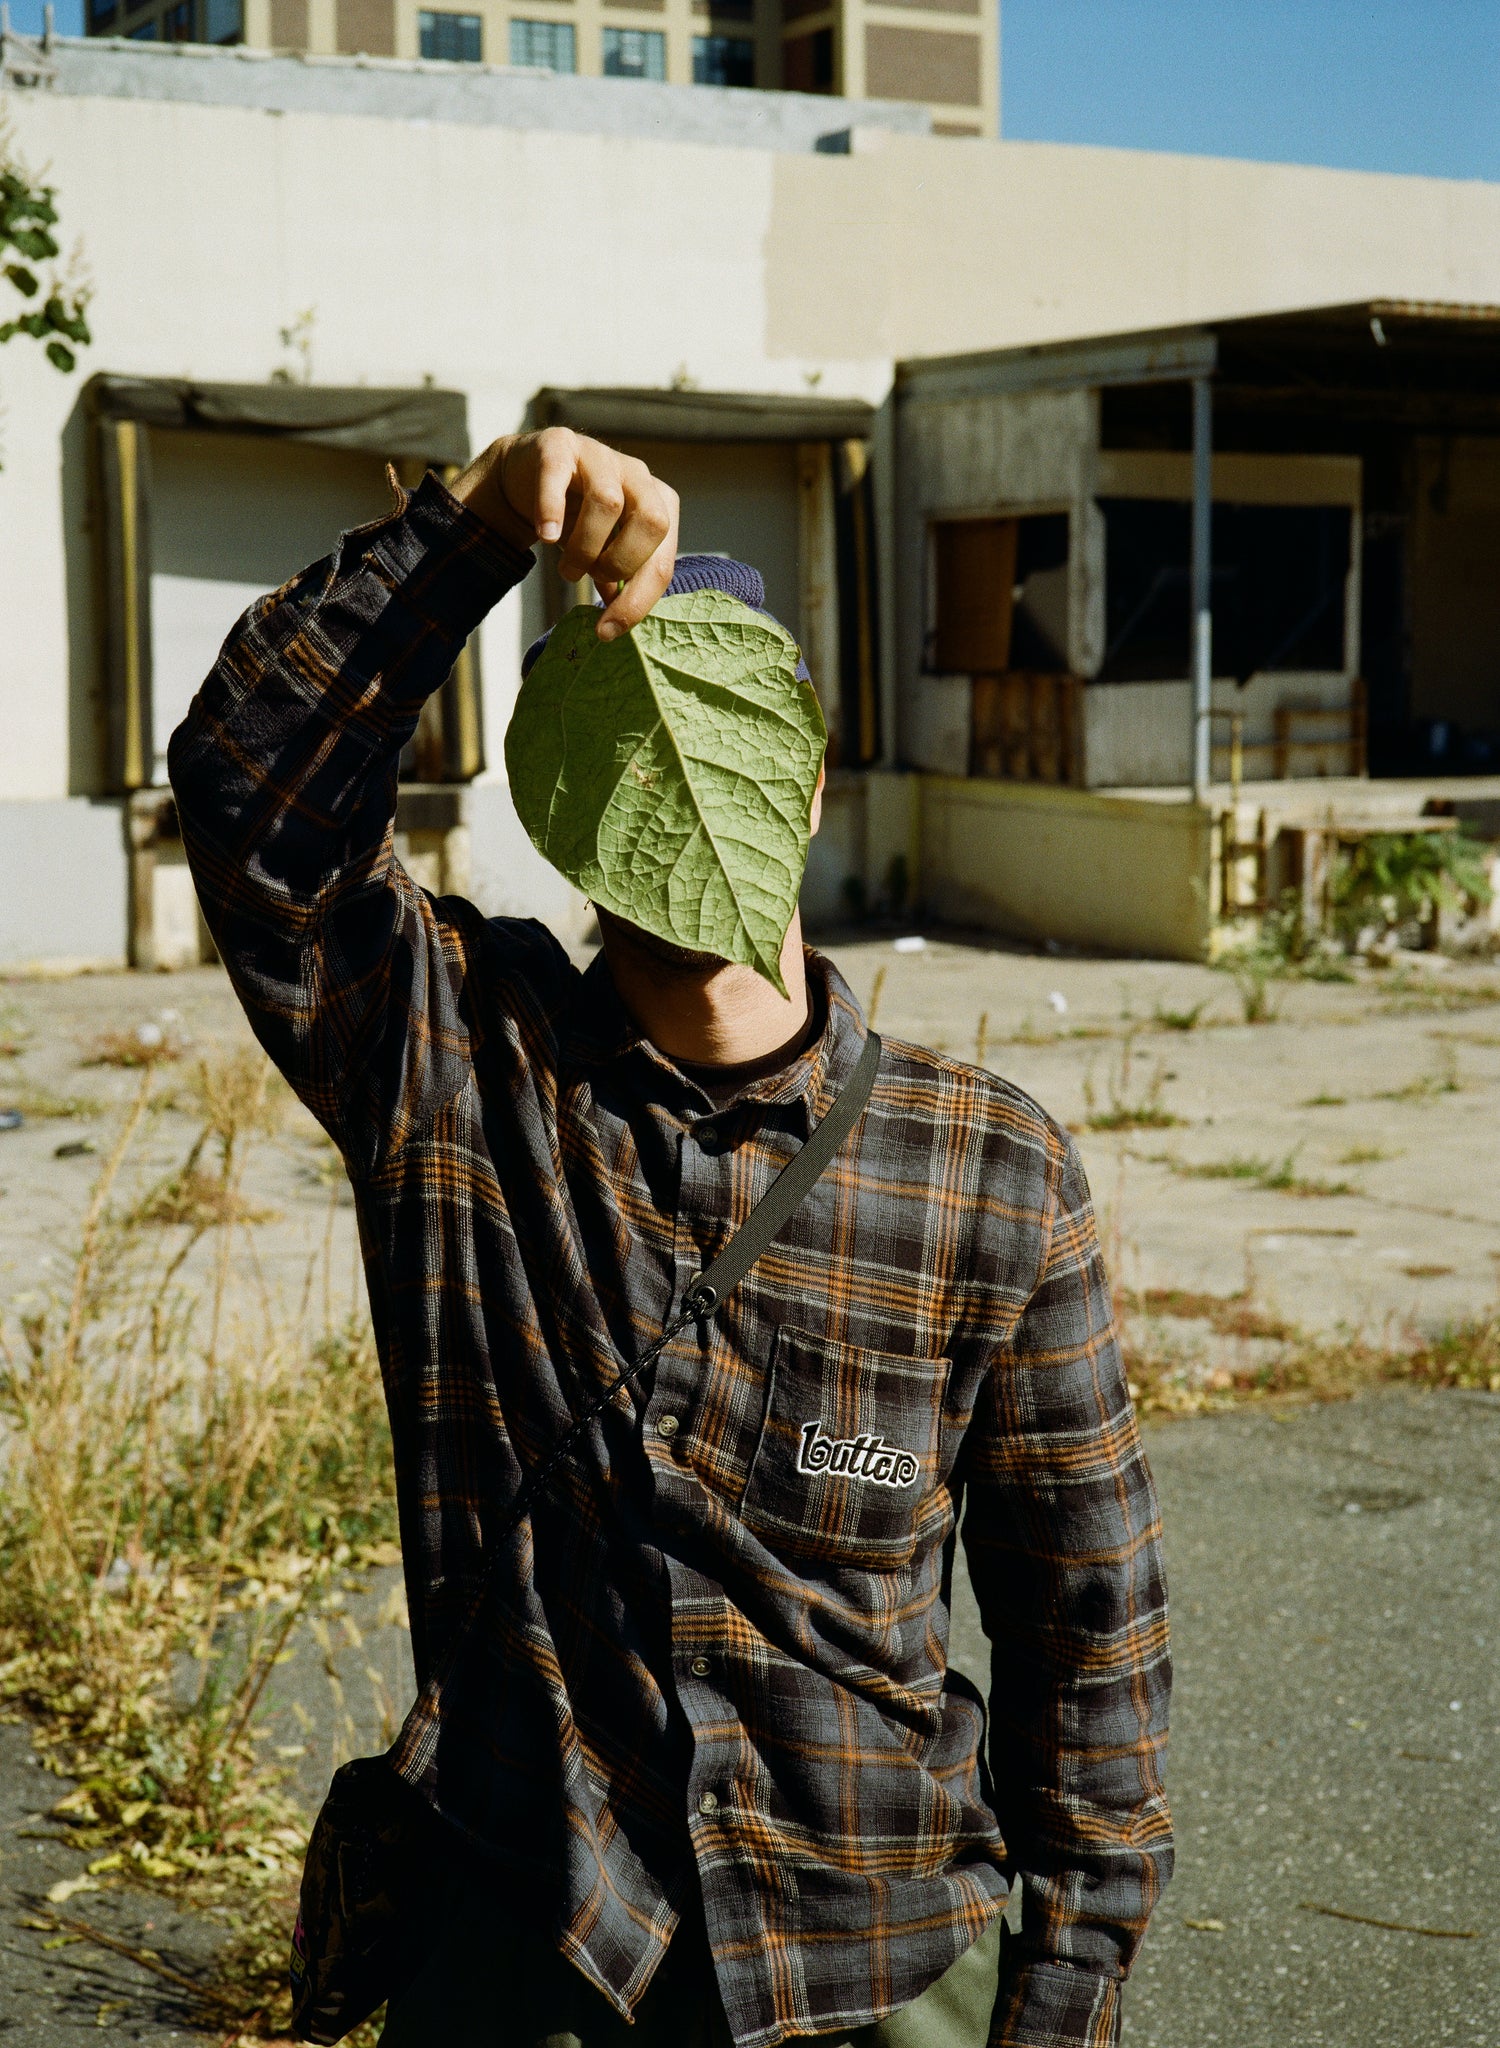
x,y
495,1986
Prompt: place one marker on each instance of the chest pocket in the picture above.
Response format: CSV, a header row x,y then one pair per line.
x,y
847,1464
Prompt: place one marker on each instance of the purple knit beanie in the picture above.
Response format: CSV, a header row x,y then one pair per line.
x,y
700,572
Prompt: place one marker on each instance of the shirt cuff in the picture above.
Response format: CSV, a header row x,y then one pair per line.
x,y
439,569
1052,2005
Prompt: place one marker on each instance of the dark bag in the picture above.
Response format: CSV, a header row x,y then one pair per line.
x,y
357,1941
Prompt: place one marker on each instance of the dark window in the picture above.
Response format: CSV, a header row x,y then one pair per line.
x,y
101,14
177,23
146,33
451,38
546,44
859,605
1039,622
635,53
1276,590
223,21
723,60
807,62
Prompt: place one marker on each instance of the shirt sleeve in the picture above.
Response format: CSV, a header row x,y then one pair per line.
x,y
284,771
1064,1546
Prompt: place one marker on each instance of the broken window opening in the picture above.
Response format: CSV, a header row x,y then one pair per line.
x,y
1277,589
1000,606
1000,594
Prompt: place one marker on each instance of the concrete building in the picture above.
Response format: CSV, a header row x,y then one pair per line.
x,y
1066,646
346,263
945,53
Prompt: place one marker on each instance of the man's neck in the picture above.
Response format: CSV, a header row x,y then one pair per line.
x,y
710,1016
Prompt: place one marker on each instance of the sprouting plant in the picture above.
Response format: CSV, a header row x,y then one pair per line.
x,y
297,340
1178,1020
57,300
1442,1079
1389,879
1133,1105
1254,972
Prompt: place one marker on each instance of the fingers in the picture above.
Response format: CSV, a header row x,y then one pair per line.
x,y
612,519
596,504
620,518
634,598
556,464
641,528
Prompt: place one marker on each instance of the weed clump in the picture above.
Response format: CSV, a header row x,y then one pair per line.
x,y
182,1471
146,1045
1133,1104
1282,1362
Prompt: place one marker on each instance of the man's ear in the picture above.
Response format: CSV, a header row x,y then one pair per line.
x,y
815,816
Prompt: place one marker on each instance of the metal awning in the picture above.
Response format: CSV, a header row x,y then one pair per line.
x,y
1165,355
421,423
1404,362
423,426
652,415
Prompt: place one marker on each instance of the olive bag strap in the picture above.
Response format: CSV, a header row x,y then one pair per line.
x,y
354,1946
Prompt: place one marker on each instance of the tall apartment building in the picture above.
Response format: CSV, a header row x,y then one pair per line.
x,y
943,52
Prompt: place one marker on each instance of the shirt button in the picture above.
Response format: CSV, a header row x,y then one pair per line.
x,y
708,1802
667,1425
699,1667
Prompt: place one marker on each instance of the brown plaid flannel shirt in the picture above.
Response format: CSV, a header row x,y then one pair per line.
x,y
714,1653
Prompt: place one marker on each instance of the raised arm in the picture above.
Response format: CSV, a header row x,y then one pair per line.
x,y
1064,1551
284,769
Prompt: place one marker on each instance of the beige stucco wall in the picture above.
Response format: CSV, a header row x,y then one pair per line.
x,y
910,248
1126,874
490,261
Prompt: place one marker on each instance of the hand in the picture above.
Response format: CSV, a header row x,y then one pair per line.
x,y
613,519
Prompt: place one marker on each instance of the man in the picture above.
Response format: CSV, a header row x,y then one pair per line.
x,y
701,1760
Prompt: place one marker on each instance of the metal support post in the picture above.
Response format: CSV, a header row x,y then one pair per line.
x,y
1202,613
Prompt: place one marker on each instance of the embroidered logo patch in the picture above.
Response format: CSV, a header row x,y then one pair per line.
x,y
869,1458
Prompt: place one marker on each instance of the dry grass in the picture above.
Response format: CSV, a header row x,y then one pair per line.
x,y
1291,1364
37,1102
143,1045
183,1466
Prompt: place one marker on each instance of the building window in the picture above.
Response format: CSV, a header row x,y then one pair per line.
x,y
145,33
177,23
223,21
723,60
807,62
1277,590
101,14
635,53
451,38
548,45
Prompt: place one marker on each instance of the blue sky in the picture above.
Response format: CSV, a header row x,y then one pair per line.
x,y
1369,85
1375,85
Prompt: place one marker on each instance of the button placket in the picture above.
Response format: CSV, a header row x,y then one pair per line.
x,y
703,1184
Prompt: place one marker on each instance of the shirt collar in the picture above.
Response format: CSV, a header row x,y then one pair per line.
x,y
602,1031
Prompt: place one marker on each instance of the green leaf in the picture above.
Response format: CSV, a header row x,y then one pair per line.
x,y
23,279
34,243
61,357
670,774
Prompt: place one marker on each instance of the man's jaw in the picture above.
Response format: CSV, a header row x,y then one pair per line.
x,y
684,961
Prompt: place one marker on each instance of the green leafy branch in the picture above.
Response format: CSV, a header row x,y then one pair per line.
x,y
28,216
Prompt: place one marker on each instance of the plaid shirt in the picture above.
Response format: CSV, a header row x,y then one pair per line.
x,y
713,1655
